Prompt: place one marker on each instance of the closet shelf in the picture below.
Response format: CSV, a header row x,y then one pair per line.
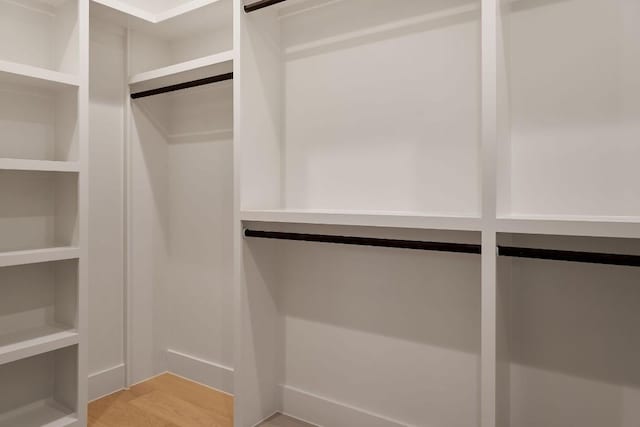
x,y
14,73
593,226
212,65
34,256
32,342
38,165
365,218
45,413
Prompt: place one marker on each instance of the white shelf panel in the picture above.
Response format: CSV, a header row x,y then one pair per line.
x,y
32,342
34,256
38,165
44,413
14,73
365,218
624,227
185,71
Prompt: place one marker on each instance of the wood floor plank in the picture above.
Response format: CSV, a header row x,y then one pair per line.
x,y
164,401
178,411
119,411
100,406
199,395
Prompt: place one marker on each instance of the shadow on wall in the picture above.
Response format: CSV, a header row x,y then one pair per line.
x,y
424,297
577,319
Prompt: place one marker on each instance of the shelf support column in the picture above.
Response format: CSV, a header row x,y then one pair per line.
x,y
489,136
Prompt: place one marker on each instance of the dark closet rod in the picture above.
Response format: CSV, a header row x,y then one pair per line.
x,y
261,4
181,86
367,241
572,256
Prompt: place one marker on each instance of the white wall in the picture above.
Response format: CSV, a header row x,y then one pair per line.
x,y
575,103
364,324
573,338
182,216
106,221
180,207
389,119
365,336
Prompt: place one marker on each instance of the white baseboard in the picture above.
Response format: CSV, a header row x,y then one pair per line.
x,y
321,411
203,371
106,382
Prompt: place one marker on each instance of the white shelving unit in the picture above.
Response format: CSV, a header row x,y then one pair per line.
x,y
43,199
358,118
41,390
571,134
163,42
565,334
448,121
481,122
178,149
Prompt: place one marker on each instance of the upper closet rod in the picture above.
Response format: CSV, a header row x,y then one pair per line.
x,y
367,241
185,85
573,256
261,4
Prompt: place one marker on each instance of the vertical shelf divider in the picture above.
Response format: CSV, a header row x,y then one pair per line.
x,y
489,144
83,210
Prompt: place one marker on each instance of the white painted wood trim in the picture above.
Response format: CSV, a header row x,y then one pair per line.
x,y
53,339
39,165
128,230
322,411
35,256
106,382
489,145
83,213
225,58
365,218
203,371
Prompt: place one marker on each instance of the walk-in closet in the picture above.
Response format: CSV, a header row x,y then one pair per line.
x,y
335,213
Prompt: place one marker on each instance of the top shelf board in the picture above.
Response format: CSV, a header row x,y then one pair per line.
x,y
38,165
14,73
187,19
207,66
365,219
619,227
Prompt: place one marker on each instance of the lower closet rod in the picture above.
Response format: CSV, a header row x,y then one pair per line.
x,y
367,241
260,4
572,256
185,85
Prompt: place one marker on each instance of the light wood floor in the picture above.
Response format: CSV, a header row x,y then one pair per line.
x,y
171,401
